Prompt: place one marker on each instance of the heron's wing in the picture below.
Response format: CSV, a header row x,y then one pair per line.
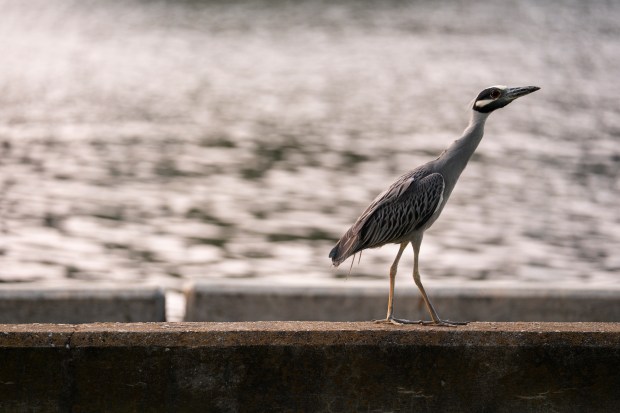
x,y
403,208
406,205
390,195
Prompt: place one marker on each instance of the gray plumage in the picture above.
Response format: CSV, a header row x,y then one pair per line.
x,y
407,206
411,205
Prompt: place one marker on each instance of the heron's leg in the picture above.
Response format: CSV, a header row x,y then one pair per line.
x,y
393,269
416,278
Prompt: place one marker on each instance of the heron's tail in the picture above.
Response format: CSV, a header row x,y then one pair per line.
x,y
346,247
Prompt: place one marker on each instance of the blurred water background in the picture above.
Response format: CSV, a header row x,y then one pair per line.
x,y
160,142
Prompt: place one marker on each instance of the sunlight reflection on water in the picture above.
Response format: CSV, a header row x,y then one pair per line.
x,y
173,141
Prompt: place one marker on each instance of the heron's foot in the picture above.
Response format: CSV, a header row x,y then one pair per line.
x,y
444,323
397,321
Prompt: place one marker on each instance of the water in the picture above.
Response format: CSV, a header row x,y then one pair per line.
x,y
160,142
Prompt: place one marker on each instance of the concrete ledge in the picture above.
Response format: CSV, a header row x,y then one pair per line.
x,y
351,300
19,304
301,366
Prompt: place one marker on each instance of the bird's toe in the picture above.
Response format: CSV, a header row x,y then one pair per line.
x,y
400,321
445,323
396,321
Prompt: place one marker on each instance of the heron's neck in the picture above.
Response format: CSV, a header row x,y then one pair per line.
x,y
457,155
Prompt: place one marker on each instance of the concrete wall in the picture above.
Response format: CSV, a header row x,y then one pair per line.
x,y
354,300
22,304
310,367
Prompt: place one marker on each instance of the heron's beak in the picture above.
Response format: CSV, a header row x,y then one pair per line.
x,y
516,92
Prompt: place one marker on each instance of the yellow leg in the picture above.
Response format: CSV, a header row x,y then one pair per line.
x,y
416,278
393,269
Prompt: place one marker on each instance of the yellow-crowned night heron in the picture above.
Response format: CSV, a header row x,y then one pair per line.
x,y
411,205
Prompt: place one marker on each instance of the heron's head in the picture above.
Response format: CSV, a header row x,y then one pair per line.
x,y
496,97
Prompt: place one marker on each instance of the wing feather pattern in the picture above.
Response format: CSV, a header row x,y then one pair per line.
x,y
404,207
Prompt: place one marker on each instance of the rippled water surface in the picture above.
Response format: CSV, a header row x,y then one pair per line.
x,y
169,141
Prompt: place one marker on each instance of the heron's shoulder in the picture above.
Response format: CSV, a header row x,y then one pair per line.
x,y
417,174
405,182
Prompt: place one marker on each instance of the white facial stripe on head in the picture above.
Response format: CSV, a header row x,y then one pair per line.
x,y
482,103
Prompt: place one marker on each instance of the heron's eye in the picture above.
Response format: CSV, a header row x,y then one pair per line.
x,y
495,93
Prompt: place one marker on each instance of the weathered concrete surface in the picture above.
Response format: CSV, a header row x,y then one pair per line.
x,y
21,304
351,300
302,366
